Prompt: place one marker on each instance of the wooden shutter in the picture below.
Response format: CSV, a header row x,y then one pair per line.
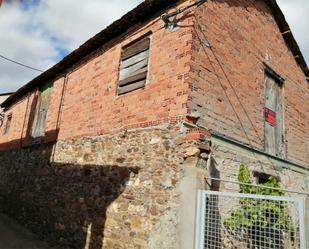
x,y
134,66
7,124
41,111
273,117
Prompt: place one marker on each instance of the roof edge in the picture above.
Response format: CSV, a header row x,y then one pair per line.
x,y
4,94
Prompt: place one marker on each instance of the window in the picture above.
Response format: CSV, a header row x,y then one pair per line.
x,y
7,124
39,124
273,113
1,119
134,66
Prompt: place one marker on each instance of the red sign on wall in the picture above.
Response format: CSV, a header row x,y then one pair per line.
x,y
270,116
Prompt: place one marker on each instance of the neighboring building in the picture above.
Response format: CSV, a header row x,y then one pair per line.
x,y
3,97
109,147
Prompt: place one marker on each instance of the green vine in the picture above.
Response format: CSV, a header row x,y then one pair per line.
x,y
256,214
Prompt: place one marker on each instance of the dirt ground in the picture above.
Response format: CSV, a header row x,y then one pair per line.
x,y
13,236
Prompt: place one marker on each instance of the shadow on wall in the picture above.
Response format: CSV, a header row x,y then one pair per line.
x,y
64,204
213,235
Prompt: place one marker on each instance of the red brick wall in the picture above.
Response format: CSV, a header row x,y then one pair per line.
x,y
89,104
227,81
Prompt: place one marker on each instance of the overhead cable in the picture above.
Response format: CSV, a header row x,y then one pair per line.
x,y
20,64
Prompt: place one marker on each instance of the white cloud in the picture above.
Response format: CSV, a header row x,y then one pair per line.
x,y
19,41
76,24
40,33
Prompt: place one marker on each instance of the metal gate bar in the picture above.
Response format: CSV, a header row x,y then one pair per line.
x,y
209,225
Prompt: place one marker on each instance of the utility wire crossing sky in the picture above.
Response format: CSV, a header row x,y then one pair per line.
x,y
36,34
20,64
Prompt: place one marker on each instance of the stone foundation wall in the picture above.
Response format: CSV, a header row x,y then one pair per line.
x,y
99,192
132,190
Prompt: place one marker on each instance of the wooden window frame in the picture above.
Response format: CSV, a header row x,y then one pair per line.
x,y
2,119
134,65
8,123
36,132
279,149
268,70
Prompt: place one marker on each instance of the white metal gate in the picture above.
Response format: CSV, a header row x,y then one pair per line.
x,y
246,221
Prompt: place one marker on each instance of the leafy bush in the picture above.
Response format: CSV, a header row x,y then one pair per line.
x,y
260,218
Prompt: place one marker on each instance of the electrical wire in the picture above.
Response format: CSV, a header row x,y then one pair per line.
x,y
20,64
198,25
166,18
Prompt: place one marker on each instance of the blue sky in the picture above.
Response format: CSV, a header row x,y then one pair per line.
x,y
27,4
40,33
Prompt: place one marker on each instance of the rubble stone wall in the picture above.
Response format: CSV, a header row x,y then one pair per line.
x,y
97,192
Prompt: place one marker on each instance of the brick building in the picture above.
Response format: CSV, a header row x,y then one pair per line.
x,y
3,97
107,148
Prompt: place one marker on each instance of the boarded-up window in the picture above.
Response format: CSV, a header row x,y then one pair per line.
x,y
273,113
42,106
7,124
134,66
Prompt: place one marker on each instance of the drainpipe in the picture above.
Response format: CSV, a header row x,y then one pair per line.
x,y
65,82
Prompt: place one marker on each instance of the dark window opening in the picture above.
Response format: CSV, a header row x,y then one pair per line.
x,y
7,124
262,178
273,114
134,66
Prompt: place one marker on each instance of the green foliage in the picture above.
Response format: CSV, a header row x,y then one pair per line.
x,y
261,213
244,176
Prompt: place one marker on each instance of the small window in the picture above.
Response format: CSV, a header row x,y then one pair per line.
x,y
7,124
273,114
1,119
134,66
42,106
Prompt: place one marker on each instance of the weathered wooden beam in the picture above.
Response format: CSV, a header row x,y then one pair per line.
x,y
135,59
137,77
135,48
133,70
286,32
131,87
